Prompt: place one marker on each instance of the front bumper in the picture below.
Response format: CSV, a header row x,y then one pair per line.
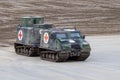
x,y
74,52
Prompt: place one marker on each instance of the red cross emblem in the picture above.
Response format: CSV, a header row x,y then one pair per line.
x,y
20,35
46,37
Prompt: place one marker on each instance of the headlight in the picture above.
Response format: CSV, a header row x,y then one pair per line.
x,y
85,45
65,47
71,41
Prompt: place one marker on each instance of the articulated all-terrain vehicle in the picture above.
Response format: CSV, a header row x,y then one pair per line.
x,y
34,37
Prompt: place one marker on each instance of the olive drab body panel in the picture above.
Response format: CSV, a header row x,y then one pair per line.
x,y
34,37
29,36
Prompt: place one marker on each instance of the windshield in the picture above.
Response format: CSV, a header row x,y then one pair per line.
x,y
46,26
75,35
61,35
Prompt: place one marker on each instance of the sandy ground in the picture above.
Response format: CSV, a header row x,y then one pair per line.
x,y
89,16
103,64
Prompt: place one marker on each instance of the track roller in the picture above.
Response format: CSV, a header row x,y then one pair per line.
x,y
53,56
25,50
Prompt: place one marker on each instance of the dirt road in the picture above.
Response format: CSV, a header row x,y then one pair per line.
x,y
103,64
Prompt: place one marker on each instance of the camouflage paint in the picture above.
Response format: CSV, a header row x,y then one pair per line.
x,y
58,46
32,37
30,27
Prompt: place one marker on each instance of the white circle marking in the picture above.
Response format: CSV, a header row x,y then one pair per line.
x,y
46,37
20,35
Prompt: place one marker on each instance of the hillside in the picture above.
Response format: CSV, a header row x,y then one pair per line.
x,y
90,16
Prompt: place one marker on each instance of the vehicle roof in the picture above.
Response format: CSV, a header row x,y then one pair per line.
x,y
62,30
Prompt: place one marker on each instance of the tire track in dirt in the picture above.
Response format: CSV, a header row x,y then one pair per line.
x,y
90,16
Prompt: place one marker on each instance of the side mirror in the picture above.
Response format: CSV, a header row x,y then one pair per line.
x,y
83,36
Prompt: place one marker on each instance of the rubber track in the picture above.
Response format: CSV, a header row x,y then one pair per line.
x,y
25,50
56,54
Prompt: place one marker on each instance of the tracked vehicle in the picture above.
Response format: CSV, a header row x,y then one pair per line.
x,y
36,38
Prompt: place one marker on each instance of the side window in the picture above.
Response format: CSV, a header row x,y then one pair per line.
x,y
34,21
61,36
75,34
